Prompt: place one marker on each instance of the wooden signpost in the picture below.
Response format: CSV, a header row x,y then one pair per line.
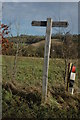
x,y
48,24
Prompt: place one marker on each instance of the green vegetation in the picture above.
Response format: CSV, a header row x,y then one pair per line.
x,y
29,70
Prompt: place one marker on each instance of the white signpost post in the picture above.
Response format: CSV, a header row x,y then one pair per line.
x,y
48,24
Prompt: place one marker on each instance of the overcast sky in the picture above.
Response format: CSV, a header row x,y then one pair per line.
x,y
23,13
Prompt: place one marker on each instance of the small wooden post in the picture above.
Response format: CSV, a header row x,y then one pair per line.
x,y
46,58
68,76
67,87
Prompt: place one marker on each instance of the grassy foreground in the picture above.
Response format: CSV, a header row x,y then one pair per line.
x,y
60,104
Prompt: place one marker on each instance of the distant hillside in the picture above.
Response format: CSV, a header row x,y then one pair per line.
x,y
34,46
26,39
53,41
29,39
33,40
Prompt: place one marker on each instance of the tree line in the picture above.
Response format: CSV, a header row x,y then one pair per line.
x,y
66,47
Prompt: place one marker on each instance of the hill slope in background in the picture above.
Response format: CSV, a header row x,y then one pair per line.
x,y
53,41
33,46
26,39
29,39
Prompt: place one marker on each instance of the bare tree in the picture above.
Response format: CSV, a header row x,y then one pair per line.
x,y
69,52
17,26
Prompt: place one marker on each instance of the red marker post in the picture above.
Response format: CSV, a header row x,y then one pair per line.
x,y
72,78
73,69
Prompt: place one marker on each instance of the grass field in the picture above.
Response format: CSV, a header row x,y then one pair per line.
x,y
29,77
30,70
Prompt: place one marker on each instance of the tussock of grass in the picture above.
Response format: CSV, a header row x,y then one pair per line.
x,y
59,103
